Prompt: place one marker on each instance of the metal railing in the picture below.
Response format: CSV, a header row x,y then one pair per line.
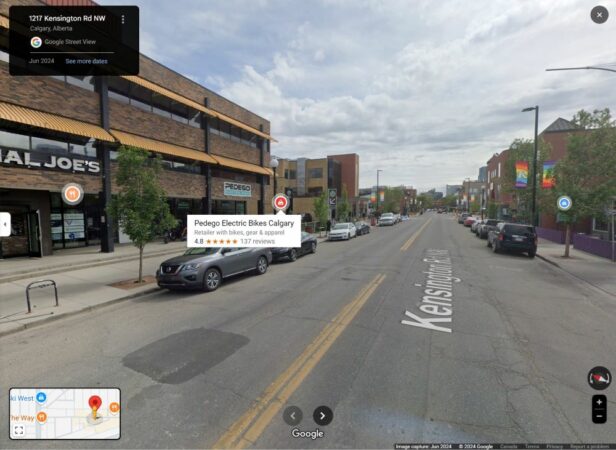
x,y
40,284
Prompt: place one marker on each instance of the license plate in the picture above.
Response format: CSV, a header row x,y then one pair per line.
x,y
518,238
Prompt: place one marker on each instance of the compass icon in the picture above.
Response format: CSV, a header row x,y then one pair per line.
x,y
599,378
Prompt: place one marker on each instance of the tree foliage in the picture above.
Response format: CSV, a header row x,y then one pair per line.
x,y
320,206
343,207
140,208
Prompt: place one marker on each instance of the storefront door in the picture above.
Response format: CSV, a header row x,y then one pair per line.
x,y
34,234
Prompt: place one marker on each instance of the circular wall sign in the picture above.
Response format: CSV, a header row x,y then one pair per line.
x,y
72,194
564,203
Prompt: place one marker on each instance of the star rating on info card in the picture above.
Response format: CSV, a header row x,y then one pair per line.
x,y
278,230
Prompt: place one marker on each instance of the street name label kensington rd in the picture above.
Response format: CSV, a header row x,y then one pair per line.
x,y
438,293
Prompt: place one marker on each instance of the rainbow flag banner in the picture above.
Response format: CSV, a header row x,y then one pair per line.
x,y
548,175
521,174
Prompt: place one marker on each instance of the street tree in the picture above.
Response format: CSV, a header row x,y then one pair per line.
x,y
320,206
587,171
140,207
344,208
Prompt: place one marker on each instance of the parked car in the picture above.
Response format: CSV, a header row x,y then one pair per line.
x,y
485,227
404,218
462,217
386,219
396,218
475,225
513,236
309,245
342,231
469,221
205,268
361,228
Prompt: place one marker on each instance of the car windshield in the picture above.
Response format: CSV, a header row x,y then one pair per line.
x,y
202,251
341,226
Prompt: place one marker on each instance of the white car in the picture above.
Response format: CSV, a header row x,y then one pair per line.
x,y
342,231
386,219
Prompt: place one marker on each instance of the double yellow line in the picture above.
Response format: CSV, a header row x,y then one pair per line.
x,y
410,241
247,429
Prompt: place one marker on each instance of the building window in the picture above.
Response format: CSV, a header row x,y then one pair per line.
x,y
119,89
4,56
316,172
315,191
228,207
87,149
14,140
161,105
141,97
292,174
49,145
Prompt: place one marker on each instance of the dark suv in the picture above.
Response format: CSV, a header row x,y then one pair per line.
x,y
513,236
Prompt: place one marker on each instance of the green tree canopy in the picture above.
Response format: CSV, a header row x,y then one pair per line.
x,y
140,208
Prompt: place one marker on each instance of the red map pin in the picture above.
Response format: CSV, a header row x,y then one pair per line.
x,y
95,402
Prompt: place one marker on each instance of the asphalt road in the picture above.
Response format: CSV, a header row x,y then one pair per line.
x,y
198,370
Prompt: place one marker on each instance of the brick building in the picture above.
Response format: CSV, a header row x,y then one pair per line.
x,y
61,129
304,179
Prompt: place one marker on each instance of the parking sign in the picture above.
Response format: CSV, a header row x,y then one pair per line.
x,y
332,196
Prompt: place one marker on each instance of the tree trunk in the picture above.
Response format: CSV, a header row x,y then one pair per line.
x,y
567,240
140,265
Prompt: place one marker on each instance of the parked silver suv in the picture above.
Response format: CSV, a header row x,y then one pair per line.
x,y
204,268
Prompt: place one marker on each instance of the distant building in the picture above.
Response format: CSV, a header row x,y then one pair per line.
x,y
452,189
304,179
483,174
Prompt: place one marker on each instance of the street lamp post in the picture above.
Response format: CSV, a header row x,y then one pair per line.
x,y
274,165
534,173
378,194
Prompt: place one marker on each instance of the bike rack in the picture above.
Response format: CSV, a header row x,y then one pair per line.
x,y
41,284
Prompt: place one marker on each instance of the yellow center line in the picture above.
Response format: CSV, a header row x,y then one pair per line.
x,y
408,243
247,429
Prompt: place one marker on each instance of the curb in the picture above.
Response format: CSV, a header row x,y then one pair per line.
x,y
95,263
575,277
554,263
85,309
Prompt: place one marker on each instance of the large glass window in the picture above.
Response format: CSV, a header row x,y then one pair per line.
x,y
161,105
194,119
14,140
119,89
87,149
316,172
179,112
141,97
49,145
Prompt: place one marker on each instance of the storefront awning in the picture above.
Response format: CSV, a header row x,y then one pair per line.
x,y
186,101
32,117
162,147
4,22
240,165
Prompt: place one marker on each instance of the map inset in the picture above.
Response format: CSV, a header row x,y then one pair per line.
x,y
64,413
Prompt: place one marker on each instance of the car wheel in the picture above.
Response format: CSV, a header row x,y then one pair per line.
x,y
313,247
261,265
211,280
293,254
531,254
495,247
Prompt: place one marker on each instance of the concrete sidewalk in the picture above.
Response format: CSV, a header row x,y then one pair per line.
x,y
12,269
597,271
79,289
83,277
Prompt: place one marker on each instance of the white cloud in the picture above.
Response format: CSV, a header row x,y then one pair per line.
x,y
426,91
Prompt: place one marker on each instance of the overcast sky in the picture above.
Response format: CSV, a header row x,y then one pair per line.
x,y
425,90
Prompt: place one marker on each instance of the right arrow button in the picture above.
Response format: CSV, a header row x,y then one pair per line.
x,y
323,416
